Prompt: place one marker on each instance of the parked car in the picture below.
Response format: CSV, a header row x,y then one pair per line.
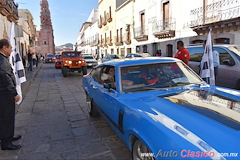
x,y
228,70
73,61
49,58
58,61
159,105
132,55
90,60
110,57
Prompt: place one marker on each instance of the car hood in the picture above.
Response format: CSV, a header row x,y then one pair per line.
x,y
208,119
90,60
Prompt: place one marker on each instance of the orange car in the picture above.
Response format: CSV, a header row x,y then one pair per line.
x,y
73,61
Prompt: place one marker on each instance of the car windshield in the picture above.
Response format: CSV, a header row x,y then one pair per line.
x,y
235,50
115,57
156,77
50,56
72,55
88,57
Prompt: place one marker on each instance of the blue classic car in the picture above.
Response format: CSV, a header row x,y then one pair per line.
x,y
161,109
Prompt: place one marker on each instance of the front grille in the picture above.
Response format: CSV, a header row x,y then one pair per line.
x,y
74,63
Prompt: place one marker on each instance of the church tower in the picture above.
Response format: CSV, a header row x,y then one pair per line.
x,y
46,38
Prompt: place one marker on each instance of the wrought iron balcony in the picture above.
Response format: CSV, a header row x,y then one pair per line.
x,y
94,42
164,28
141,34
104,21
10,9
109,41
215,12
118,40
127,38
100,23
109,17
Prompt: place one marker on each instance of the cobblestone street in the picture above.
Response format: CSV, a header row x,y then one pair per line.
x,y
55,125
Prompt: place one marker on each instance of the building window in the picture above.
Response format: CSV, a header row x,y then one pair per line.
x,y
165,15
121,35
142,20
145,49
45,42
137,49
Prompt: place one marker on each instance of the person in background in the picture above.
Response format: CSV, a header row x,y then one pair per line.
x,y
34,58
182,53
30,61
216,61
8,97
159,53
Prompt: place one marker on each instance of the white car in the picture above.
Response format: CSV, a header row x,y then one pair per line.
x,y
91,61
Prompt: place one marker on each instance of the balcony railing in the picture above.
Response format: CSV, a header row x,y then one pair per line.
x,y
104,22
164,28
109,17
9,9
141,34
109,41
118,40
100,23
127,38
215,12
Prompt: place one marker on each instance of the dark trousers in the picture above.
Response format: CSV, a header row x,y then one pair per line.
x,y
7,117
30,63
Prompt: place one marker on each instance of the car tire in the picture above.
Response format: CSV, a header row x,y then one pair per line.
x,y
84,70
141,152
64,71
91,108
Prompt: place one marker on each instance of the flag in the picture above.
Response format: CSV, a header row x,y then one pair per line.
x,y
207,65
16,63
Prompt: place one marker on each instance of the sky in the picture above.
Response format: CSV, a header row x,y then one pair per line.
x,y
67,16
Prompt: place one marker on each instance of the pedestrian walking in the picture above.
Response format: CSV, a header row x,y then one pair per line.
x,y
37,59
8,97
30,61
182,53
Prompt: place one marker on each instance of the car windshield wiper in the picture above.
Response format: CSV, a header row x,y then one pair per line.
x,y
138,89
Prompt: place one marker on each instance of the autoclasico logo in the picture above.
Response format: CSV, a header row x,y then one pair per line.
x,y
187,154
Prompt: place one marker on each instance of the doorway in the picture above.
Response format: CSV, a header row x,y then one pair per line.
x,y
169,50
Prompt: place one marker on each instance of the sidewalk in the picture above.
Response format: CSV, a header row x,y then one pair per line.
x,y
30,75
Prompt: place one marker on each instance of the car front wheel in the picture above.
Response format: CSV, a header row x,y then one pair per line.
x,y
92,111
141,152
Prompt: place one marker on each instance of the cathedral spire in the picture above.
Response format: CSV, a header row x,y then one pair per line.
x,y
46,37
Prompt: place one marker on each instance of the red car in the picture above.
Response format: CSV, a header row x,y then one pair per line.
x,y
58,61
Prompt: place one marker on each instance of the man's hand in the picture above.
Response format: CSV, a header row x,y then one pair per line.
x,y
17,98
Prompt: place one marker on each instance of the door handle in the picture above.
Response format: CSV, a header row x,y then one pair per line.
x,y
94,87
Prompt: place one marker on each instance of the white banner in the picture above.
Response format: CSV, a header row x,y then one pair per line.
x,y
16,63
207,65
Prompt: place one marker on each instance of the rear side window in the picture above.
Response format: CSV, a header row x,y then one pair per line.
x,y
223,55
195,54
96,74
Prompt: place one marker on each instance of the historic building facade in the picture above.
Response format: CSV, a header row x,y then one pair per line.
x,y
46,38
222,16
8,14
88,36
124,39
26,32
151,25
107,25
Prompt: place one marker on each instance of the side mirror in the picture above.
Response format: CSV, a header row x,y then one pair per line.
x,y
107,86
228,62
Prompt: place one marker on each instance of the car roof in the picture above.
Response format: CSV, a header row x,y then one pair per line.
x,y
139,61
214,45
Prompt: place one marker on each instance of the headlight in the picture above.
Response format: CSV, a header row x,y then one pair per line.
x,y
80,62
70,62
66,61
